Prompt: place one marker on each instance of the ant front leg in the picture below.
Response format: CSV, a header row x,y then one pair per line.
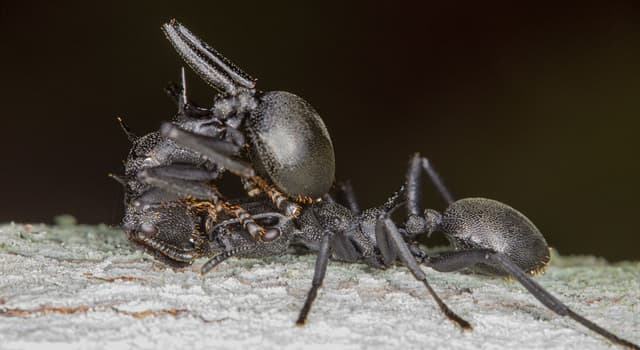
x,y
273,220
218,152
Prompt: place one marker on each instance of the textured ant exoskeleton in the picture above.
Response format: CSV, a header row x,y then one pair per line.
x,y
157,168
289,148
152,214
342,232
490,236
327,227
487,236
185,217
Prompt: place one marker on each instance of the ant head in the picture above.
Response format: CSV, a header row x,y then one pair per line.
x,y
485,223
165,230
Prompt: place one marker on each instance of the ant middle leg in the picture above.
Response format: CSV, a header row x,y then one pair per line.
x,y
416,223
392,245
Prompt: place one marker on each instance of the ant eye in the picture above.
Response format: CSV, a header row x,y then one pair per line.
x,y
148,229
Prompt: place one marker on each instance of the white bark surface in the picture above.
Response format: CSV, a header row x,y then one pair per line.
x,y
85,287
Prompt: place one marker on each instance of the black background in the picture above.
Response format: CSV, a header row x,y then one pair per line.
x,y
533,105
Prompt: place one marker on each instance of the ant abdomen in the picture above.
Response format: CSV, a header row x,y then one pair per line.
x,y
481,223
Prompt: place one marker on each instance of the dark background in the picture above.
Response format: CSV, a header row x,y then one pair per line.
x,y
536,106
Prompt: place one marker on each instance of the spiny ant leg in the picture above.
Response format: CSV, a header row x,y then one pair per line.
x,y
246,219
384,243
278,198
414,186
187,172
214,231
436,180
199,143
208,63
250,187
219,152
183,188
182,101
318,277
400,247
155,196
347,196
454,261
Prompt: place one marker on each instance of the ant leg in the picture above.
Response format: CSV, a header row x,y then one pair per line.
x,y
436,180
250,187
209,194
347,196
414,188
181,187
247,220
256,185
182,171
394,245
208,63
218,152
463,259
344,248
178,93
266,218
416,223
318,277
278,198
155,196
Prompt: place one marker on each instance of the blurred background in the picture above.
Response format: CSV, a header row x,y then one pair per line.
x,y
534,106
